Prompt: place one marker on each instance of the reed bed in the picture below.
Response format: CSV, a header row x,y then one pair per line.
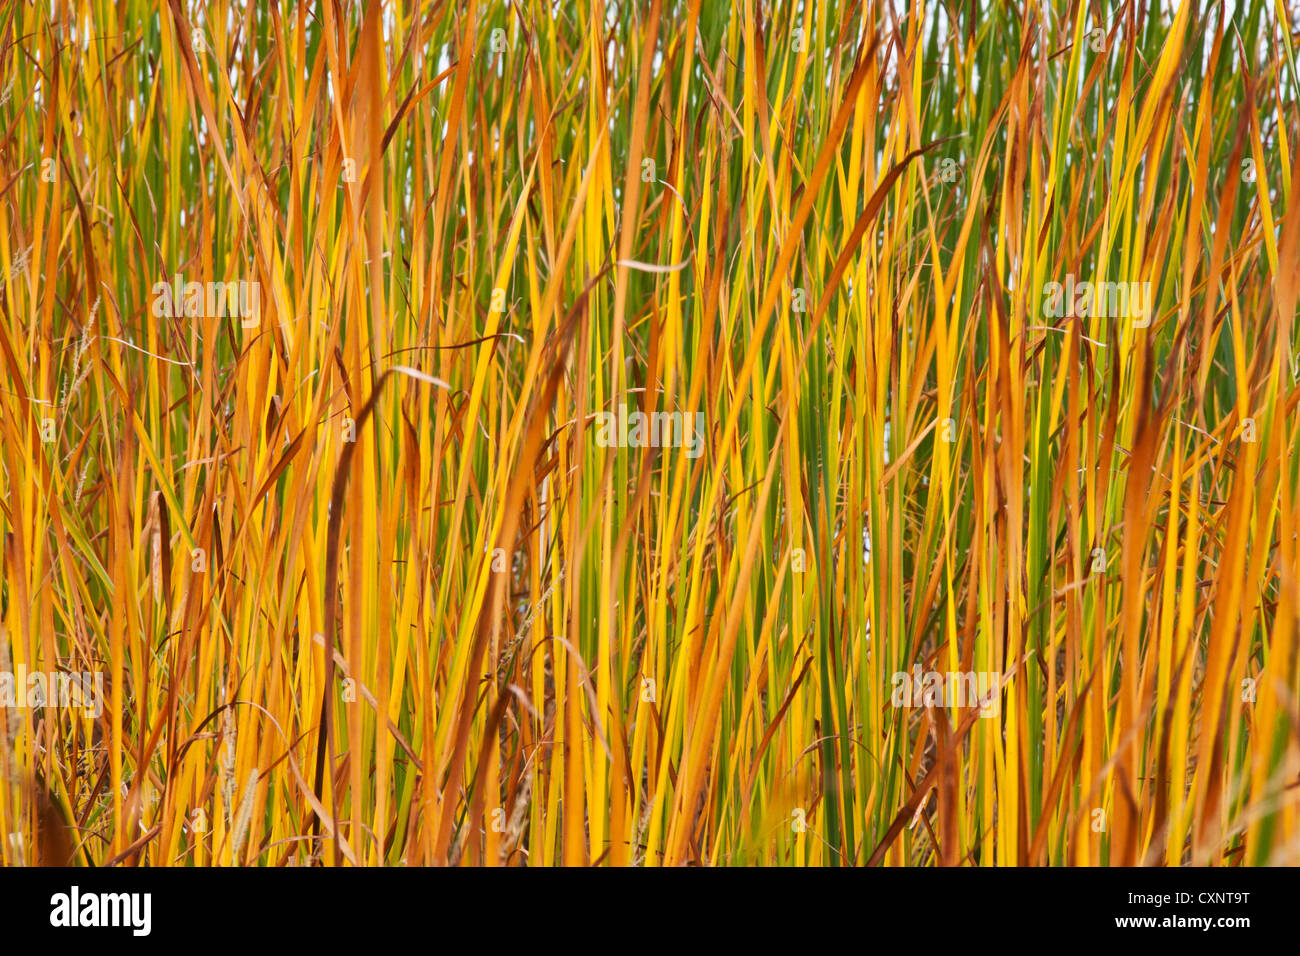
x,y
795,433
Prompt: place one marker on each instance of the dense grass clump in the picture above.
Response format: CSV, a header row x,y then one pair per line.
x,y
652,433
